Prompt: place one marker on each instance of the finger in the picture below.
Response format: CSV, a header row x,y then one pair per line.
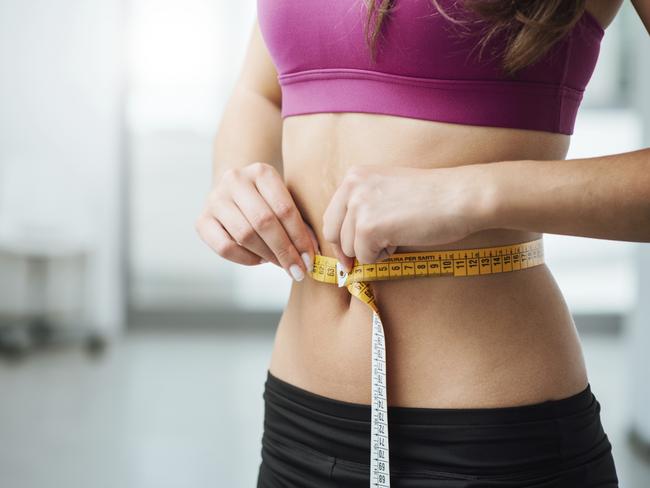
x,y
217,238
389,251
386,253
259,216
348,231
239,228
334,215
314,241
346,261
290,239
367,248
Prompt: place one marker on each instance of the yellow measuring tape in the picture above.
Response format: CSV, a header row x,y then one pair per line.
x,y
455,263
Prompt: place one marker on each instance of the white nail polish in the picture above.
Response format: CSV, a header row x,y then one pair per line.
x,y
296,272
307,260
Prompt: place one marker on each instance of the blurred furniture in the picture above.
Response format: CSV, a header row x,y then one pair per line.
x,y
46,219
63,151
639,357
38,245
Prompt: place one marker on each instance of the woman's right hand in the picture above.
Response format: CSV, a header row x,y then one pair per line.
x,y
250,217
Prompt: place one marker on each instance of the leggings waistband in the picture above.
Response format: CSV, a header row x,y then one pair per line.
x,y
550,409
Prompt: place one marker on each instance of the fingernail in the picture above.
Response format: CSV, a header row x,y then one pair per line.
x,y
262,261
307,260
296,272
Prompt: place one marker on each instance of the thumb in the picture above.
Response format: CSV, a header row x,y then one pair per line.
x,y
386,252
346,261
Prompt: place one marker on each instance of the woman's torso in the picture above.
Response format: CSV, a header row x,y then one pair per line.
x,y
494,340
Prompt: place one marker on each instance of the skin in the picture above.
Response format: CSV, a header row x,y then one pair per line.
x,y
353,185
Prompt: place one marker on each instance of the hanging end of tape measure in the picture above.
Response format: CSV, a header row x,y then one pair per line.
x,y
341,275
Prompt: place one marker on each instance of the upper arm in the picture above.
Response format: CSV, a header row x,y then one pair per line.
x,y
258,73
604,11
642,8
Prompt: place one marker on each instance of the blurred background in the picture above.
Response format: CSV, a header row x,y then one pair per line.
x,y
131,355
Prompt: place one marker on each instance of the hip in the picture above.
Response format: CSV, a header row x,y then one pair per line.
x,y
311,440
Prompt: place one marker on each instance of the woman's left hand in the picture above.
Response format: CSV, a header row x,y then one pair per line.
x,y
378,208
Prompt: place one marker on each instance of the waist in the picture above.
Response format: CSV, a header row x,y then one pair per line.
x,y
453,342
471,256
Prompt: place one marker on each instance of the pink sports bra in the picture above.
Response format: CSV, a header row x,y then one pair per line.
x,y
424,69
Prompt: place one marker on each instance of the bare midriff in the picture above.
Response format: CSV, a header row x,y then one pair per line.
x,y
495,340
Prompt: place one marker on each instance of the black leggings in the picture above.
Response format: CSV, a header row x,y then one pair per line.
x,y
313,441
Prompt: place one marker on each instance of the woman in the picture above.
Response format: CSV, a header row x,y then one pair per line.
x,y
358,130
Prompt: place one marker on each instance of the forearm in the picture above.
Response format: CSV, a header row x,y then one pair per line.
x,y
604,197
250,130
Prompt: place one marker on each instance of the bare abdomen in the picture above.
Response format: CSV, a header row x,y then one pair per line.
x,y
481,341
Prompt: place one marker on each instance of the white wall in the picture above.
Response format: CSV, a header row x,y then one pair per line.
x,y
60,143
184,58
639,321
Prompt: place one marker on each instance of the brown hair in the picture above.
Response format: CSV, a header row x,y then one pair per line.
x,y
531,26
